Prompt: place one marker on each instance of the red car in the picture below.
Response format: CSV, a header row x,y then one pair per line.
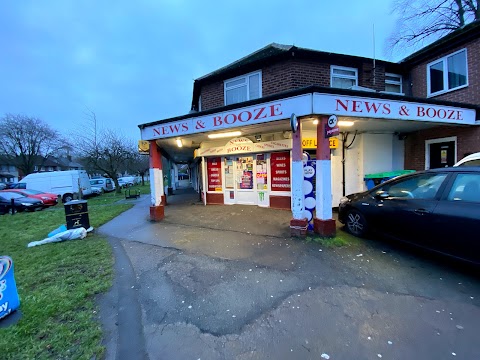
x,y
47,198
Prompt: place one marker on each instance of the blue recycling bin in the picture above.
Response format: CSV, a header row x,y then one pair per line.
x,y
9,300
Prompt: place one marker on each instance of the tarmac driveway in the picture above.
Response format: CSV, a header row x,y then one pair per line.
x,y
226,282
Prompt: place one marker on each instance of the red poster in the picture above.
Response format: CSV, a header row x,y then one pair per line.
x,y
280,168
214,171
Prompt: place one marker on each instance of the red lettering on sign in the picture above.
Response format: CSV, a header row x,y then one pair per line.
x,y
249,114
369,106
260,112
217,121
356,105
184,127
344,106
274,110
386,109
234,118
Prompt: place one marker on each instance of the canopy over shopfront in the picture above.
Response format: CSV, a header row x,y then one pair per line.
x,y
264,127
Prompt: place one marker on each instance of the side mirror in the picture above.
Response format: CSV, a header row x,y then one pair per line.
x,y
380,195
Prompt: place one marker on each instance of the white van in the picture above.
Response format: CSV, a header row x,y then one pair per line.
x,y
63,183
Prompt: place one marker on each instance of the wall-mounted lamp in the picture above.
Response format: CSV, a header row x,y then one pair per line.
x,y
345,123
315,122
223,135
179,143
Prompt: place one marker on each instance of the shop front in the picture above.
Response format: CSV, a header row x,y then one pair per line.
x,y
248,173
253,155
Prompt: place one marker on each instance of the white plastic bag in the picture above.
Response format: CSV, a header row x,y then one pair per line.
x,y
72,234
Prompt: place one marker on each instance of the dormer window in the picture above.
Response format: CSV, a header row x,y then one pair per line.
x,y
343,77
243,88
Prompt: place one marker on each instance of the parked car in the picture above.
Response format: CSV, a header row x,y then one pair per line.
x,y
437,209
2,185
127,181
21,203
470,160
62,183
48,199
106,184
96,191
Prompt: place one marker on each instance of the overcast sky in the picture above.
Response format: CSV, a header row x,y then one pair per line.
x,y
135,61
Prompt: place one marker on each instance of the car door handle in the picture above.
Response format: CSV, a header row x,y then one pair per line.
x,y
421,211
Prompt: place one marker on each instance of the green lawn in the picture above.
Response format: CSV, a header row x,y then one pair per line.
x,y
57,284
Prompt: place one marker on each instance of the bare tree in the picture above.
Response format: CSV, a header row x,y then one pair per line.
x,y
105,151
424,21
139,164
27,141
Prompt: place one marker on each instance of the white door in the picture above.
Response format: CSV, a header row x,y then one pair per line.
x,y
245,192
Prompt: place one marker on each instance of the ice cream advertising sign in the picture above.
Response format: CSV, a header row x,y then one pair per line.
x,y
9,300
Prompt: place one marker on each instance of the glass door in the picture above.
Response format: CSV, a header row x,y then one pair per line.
x,y
244,178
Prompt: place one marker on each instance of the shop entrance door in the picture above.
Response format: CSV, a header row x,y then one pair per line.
x,y
244,181
442,154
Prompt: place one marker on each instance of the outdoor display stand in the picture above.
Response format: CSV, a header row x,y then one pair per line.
x,y
9,300
76,213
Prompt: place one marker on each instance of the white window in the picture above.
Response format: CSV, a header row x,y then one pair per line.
x,y
343,77
393,83
243,88
448,73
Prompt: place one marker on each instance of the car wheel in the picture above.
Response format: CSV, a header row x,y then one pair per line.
x,y
67,198
356,223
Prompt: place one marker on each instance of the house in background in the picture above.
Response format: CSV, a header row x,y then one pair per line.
x,y
8,171
447,70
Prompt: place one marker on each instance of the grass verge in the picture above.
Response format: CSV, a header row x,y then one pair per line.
x,y
57,284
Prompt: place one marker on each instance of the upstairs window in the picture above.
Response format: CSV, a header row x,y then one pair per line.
x,y
448,73
243,88
393,83
343,77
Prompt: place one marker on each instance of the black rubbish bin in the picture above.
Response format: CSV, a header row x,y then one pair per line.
x,y
76,213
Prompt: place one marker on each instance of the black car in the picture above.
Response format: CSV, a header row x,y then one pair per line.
x,y
21,202
436,209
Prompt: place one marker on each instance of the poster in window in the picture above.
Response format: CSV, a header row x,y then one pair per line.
x,y
280,170
229,179
262,182
245,172
214,168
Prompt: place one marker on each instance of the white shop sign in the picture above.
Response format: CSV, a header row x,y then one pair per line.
x,y
261,113
245,148
341,105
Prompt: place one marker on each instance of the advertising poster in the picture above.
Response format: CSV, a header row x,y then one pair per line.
x,y
214,168
280,168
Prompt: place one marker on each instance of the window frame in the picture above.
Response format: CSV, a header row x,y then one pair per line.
x,y
247,84
390,82
444,61
340,76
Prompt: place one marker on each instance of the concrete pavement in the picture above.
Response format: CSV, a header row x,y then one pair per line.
x,y
226,282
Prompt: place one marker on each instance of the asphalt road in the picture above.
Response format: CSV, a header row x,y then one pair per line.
x,y
226,282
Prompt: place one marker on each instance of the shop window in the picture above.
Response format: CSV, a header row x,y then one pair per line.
x,y
393,83
280,170
214,174
448,73
243,88
343,77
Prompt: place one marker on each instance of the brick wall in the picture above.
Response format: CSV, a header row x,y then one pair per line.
x,y
468,140
470,94
293,74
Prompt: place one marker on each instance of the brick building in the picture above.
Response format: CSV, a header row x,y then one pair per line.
x,y
242,138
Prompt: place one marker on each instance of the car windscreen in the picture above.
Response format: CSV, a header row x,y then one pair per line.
x,y
12,195
32,192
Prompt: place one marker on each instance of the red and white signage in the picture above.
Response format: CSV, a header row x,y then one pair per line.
x,y
280,170
214,171
243,147
261,113
390,109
